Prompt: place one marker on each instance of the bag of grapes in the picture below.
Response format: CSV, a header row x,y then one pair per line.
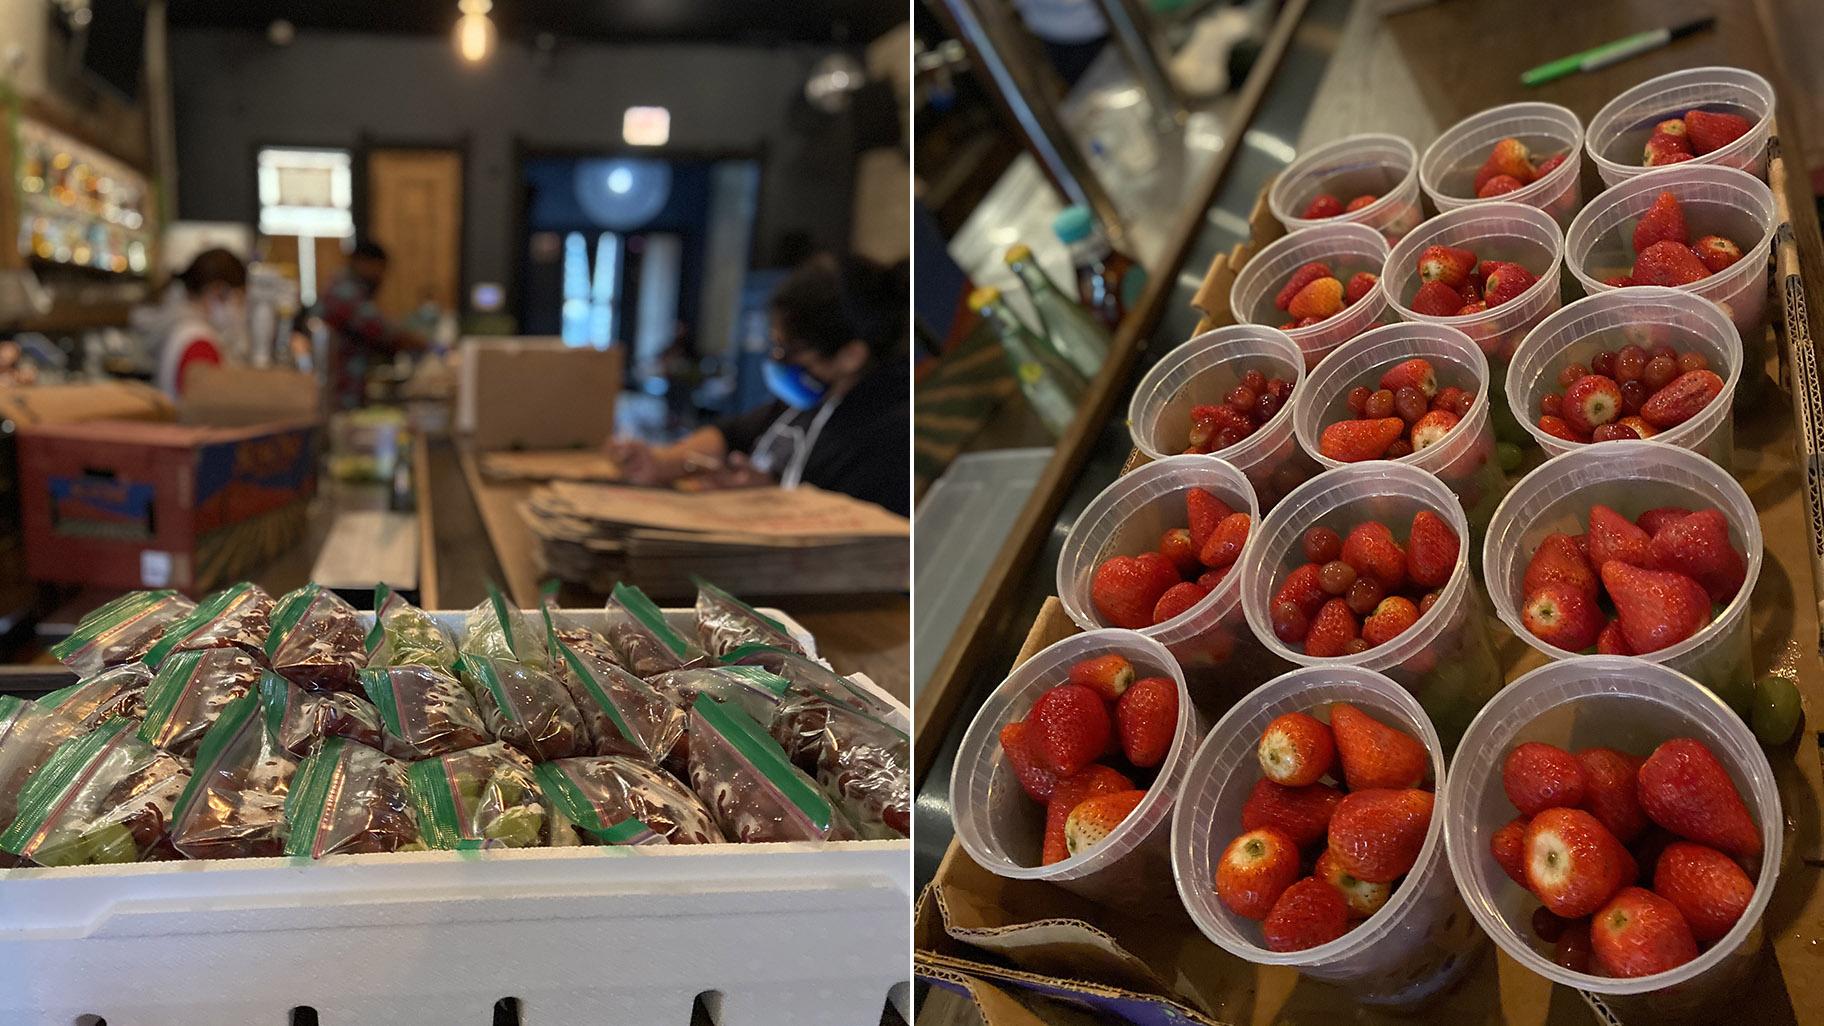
x,y
626,716
404,635
484,797
725,623
347,798
316,641
646,643
862,762
104,797
190,691
583,640
495,630
29,733
121,631
754,691
812,677
298,718
426,712
752,789
238,616
92,701
600,795
234,805
525,707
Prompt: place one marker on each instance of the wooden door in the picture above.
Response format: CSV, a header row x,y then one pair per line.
x,y
414,209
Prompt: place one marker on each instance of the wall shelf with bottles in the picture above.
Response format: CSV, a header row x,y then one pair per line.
x,y
78,206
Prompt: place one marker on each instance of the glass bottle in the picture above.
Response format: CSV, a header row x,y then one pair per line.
x,y
1072,331
1050,383
1109,282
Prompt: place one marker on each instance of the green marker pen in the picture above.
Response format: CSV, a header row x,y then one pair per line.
x,y
1612,53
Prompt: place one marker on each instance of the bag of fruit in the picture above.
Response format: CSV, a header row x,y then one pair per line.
x,y
426,712
525,707
190,691
725,623
600,796
495,630
316,640
120,631
238,616
92,701
298,718
347,798
29,733
485,797
582,639
103,797
811,677
626,716
646,643
862,762
234,805
404,635
751,689
752,789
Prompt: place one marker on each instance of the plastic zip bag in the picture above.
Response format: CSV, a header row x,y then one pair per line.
x,y
495,630
234,805
102,798
581,639
29,733
725,623
346,799
626,716
752,789
812,677
120,631
298,718
426,712
600,795
238,616
863,763
525,707
190,691
316,641
404,635
92,701
751,689
485,797
645,642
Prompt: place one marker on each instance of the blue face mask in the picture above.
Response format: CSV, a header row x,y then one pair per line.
x,y
793,385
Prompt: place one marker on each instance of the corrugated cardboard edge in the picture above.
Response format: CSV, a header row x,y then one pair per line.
x,y
977,980
1212,296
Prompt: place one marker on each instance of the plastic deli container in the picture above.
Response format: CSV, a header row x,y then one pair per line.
x,y
1358,165
1465,460
1645,316
1448,169
1717,201
1203,371
1347,248
1211,639
1446,659
1510,232
1631,478
1001,828
1618,133
1418,943
1632,706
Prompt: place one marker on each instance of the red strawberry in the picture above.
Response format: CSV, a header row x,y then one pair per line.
x,y
1373,754
1618,281
1090,823
1573,864
1559,560
1668,263
1320,299
1639,933
1224,545
1296,749
1417,373
1662,149
1487,171
1657,609
1146,720
1176,545
1610,791
1364,200
1436,299
1432,549
1332,630
1654,519
1301,588
1107,675
1206,511
1686,790
1612,641
1591,400
1178,600
1706,886
1307,914
1376,834
1506,283
1665,219
1369,548
1713,130
1511,157
1499,185
1615,537
1508,846
1670,126
1360,285
1301,813
1557,428
1548,165
1389,620
1126,588
1716,252
1572,949
1363,898
1035,779
1255,869
1698,546
1300,278
1431,428
1071,792
1446,264
1353,441
1322,206
1209,579
1538,776
1681,400
1563,616
1070,728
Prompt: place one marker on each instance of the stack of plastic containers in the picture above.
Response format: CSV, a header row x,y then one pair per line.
x,y
1347,249
1619,131
1448,169
1359,165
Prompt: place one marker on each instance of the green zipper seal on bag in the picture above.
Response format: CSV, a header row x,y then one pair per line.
x,y
765,755
275,701
568,796
641,608
760,677
289,614
499,602
378,683
438,823
586,678
208,610
67,769
222,733
11,708
167,689
483,671
377,633
122,609
736,601
304,804
630,833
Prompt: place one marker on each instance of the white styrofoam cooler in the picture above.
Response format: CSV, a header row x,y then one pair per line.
x,y
768,934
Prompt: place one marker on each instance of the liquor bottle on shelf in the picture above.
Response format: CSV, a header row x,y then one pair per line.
x,y
1050,383
1109,282
1070,328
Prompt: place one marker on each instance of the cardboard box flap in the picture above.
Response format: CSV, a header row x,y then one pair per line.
x,y
995,1006
160,434
63,404
1099,1003
231,395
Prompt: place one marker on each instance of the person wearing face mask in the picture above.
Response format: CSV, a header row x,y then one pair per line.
x,y
840,415
202,319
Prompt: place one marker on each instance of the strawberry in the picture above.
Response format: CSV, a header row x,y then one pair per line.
x,y
1308,913
1499,185
1670,126
1664,149
1668,263
1175,544
1639,933
1558,560
1573,864
1146,720
1557,428
1431,428
1537,776
1296,749
1572,949
1225,543
1070,728
1301,588
1487,171
1665,219
1069,793
1125,589
1706,886
1511,157
1376,834
1615,537
1300,278
1301,813
1716,252
1417,373
1373,754
1389,620
1178,600
1332,630
1563,616
1320,299
1508,846
1547,166
1610,792
1090,823
1353,441
1322,206
1361,283
1641,428
1209,579
1686,790
1657,609
1206,511
1618,281
1591,400
1358,203
1507,283
1255,869
1107,675
1436,299
1682,399
1446,264
1698,546
1363,898
1712,130
1370,549
1612,642
1035,779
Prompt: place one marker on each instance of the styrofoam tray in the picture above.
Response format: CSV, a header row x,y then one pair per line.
x,y
768,934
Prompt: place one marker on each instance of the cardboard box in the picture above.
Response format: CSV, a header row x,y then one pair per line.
x,y
530,393
65,404
233,396
121,504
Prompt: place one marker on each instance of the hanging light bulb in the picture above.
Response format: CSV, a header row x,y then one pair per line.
x,y
475,33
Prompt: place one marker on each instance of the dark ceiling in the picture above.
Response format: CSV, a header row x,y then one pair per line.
x,y
733,21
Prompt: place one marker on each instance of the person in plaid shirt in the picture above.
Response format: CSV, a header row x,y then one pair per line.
x,y
365,336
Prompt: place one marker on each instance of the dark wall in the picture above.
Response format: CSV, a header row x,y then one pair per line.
x,y
236,93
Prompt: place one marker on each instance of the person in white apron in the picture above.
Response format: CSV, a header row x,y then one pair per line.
x,y
202,319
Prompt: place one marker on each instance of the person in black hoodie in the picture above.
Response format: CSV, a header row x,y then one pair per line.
x,y
841,414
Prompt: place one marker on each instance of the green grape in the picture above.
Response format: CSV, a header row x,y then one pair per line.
x,y
1777,710
65,851
519,827
1508,455
511,789
110,844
